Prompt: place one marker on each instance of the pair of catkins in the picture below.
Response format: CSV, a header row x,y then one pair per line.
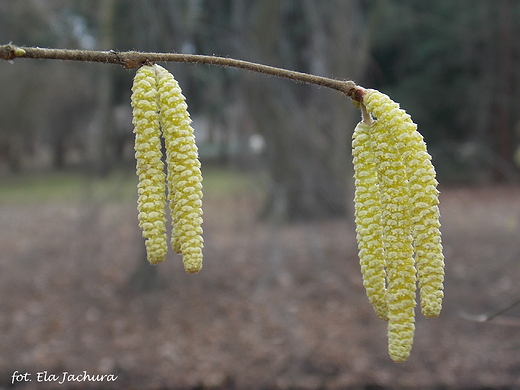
x,y
160,112
396,199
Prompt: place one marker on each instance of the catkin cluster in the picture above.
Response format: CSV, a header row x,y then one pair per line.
x,y
158,103
397,219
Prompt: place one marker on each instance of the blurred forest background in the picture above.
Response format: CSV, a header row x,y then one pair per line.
x,y
450,64
278,305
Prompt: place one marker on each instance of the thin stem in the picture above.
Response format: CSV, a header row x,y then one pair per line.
x,y
134,59
366,117
491,315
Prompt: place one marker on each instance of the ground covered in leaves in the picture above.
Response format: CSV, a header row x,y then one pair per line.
x,y
275,307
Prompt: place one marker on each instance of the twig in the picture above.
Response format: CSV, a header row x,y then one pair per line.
x,y
135,59
491,315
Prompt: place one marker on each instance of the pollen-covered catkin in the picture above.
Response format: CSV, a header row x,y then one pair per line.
x,y
151,188
397,241
424,198
368,220
184,174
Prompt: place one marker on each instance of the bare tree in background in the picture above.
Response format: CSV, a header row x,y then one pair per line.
x,y
307,130
47,105
101,129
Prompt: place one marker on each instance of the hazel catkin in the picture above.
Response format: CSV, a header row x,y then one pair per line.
x,y
184,174
151,188
368,220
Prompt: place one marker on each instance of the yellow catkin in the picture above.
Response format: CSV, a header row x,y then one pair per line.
x,y
184,174
368,220
151,188
397,241
424,198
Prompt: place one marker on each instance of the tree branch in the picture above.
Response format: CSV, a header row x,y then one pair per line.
x,y
491,315
134,59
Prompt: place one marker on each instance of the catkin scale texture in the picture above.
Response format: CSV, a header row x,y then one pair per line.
x,y
368,220
424,198
396,196
397,241
184,174
151,188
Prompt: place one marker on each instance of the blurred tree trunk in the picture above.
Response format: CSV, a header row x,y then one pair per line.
x,y
503,125
102,129
144,277
13,150
339,49
307,130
